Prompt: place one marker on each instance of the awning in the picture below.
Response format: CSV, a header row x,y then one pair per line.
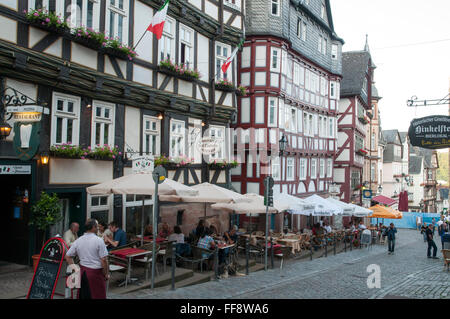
x,y
323,207
384,200
347,209
296,205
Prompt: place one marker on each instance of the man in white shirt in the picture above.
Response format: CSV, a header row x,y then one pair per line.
x,y
71,234
327,228
361,225
94,269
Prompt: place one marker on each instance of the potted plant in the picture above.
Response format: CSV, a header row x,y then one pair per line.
x,y
241,90
46,20
45,213
225,85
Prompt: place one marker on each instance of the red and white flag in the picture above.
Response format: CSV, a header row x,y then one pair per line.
x,y
229,60
157,25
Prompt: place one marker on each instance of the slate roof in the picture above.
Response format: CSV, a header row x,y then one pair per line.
x,y
354,65
403,136
390,135
415,164
375,94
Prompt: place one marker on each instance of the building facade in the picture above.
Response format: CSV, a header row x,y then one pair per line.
x,y
392,164
97,96
291,65
354,106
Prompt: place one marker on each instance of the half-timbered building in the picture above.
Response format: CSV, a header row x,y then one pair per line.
x,y
291,65
355,102
101,94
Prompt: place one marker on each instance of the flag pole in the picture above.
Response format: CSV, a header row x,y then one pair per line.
x,y
134,48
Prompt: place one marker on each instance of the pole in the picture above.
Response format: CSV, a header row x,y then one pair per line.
x,y
142,222
140,40
246,255
174,248
155,227
216,263
271,251
267,225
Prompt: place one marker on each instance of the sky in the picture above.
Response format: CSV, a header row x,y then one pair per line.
x,y
400,33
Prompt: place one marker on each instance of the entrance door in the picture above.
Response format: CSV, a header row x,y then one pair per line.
x,y
63,224
15,192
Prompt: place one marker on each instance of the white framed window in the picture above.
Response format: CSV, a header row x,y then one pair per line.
x,y
186,46
314,168
132,213
324,46
334,51
303,169
290,169
167,42
275,7
305,123
322,168
151,137
218,133
100,208
56,6
287,117
311,125
102,126
284,65
333,90
329,167
296,73
275,168
322,11
293,119
117,20
331,127
272,110
275,60
259,110
299,27
304,31
299,121
177,138
223,52
307,80
65,119
85,13
245,110
281,117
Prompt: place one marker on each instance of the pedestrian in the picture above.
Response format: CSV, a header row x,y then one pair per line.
x,y
418,222
423,232
390,233
71,234
433,222
442,229
94,269
431,244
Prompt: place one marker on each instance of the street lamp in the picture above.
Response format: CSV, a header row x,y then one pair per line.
x,y
44,158
380,189
283,143
5,129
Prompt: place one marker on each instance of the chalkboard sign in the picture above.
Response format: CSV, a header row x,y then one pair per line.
x,y
47,271
430,132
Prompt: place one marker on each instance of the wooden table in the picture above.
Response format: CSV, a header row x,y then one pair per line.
x,y
129,254
294,243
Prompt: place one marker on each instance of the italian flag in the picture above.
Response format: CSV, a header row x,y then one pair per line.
x,y
157,25
230,59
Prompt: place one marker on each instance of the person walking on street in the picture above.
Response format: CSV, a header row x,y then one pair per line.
x,y
442,229
431,243
390,233
94,269
433,222
423,231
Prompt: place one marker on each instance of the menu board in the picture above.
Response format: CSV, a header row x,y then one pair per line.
x,y
47,271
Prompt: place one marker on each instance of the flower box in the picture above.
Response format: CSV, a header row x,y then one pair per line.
x,y
168,71
47,21
222,164
363,120
50,28
225,87
241,91
181,71
173,162
361,152
88,42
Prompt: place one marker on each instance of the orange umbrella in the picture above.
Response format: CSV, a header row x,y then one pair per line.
x,y
385,212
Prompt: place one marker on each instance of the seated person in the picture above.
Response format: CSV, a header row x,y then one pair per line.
x,y
206,242
165,231
362,226
104,232
71,234
213,230
148,231
230,236
351,227
177,236
120,237
327,228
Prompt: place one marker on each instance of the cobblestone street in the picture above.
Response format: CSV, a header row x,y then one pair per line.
x,y
406,274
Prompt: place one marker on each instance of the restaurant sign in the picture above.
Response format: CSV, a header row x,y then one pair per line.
x,y
143,164
432,132
15,169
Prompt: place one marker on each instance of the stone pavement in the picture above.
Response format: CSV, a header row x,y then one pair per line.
x,y
407,273
14,280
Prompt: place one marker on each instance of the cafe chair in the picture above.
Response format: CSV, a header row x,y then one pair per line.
x,y
146,261
198,257
117,264
285,252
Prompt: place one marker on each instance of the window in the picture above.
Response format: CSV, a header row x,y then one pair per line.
x,y
373,140
276,169
222,54
287,117
259,110
116,21
311,125
218,133
132,213
313,168
305,123
299,27
50,5
372,172
319,43
303,168
293,120
324,46
296,73
281,118
151,135
333,90
102,124
304,26
299,121
322,168
275,7
186,45
166,43
331,127
85,13
272,112
177,138
290,169
65,119
355,179
275,63
322,11
329,167
100,208
334,51
359,143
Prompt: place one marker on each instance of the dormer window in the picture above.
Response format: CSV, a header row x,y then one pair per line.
x,y
275,7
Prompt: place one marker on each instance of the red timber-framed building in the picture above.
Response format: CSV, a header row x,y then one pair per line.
x,y
353,119
291,65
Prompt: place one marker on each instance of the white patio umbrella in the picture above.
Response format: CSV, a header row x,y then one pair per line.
x,y
323,207
361,211
297,206
347,209
251,204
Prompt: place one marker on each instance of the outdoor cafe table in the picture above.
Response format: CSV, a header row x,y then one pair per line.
x,y
129,254
293,243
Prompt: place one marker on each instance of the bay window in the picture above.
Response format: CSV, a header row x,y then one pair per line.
x,y
102,124
177,138
65,119
151,135
275,60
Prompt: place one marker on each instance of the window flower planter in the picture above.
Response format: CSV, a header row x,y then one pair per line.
x,y
363,120
361,152
225,85
77,152
222,164
241,91
47,21
180,71
173,162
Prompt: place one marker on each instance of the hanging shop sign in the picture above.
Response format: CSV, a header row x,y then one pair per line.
x,y
209,145
143,164
431,132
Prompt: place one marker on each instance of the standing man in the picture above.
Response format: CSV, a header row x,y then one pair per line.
x,y
442,229
390,233
418,222
433,222
429,234
94,269
120,238
71,234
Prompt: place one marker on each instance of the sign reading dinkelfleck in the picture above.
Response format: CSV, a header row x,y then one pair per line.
x,y
430,132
